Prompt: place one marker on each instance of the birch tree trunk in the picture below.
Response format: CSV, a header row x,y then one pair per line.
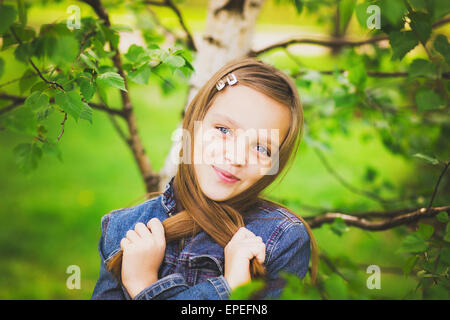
x,y
228,35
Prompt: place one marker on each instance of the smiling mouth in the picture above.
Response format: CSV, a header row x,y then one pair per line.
x,y
225,176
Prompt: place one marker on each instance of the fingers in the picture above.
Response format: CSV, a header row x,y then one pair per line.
x,y
256,248
242,233
156,228
132,236
124,243
142,230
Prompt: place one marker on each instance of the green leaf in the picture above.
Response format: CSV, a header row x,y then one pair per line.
x,y
413,243
44,113
418,5
370,174
27,156
447,233
91,64
427,99
346,8
22,12
27,80
71,103
87,87
422,67
66,50
298,6
37,100
136,54
361,13
440,8
111,79
52,148
445,255
86,113
425,230
7,16
442,216
427,158
141,75
357,74
443,47
393,10
175,61
421,24
409,265
402,42
244,292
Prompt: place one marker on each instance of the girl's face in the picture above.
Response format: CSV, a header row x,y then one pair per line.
x,y
235,144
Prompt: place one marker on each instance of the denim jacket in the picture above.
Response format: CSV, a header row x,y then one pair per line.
x,y
196,270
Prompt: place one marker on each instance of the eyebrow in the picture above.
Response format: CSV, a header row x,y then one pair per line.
x,y
236,124
228,119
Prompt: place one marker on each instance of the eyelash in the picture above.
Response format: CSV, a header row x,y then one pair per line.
x,y
266,153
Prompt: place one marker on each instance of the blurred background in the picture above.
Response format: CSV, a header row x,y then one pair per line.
x,y
375,140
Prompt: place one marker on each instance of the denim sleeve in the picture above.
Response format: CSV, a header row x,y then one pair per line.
x,y
174,287
107,287
288,251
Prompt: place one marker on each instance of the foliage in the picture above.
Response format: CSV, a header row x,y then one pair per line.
x,y
397,87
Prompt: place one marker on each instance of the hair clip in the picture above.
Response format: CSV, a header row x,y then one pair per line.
x,y
231,79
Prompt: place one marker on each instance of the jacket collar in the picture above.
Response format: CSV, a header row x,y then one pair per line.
x,y
168,198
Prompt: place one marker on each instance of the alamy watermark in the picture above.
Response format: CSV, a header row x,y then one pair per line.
x,y
237,149
74,280
74,21
373,281
374,20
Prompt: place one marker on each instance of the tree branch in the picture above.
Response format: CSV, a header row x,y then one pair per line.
x,y
151,179
34,66
332,42
170,4
447,163
389,223
347,185
18,101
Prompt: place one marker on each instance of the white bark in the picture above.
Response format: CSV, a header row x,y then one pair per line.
x,y
228,35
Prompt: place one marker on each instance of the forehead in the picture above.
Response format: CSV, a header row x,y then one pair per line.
x,y
250,109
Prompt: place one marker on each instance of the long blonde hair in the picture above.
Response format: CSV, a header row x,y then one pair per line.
x,y
221,220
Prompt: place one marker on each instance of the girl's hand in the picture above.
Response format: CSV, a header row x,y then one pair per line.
x,y
143,252
238,252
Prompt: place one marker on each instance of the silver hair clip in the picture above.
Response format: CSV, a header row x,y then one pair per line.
x,y
231,79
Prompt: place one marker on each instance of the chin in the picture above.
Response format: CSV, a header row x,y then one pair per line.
x,y
214,192
216,197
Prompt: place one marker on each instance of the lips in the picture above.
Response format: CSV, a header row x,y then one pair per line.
x,y
225,176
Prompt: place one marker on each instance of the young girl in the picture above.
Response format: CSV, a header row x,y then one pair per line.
x,y
210,231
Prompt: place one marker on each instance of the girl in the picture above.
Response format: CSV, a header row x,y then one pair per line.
x,y
210,230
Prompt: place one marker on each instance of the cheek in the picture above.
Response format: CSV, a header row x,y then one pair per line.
x,y
209,150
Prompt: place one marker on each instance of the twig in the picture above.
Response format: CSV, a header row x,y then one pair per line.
x,y
332,42
62,126
370,73
447,163
346,184
34,66
315,222
18,101
151,179
170,4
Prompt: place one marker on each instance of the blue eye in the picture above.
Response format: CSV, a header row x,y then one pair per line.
x,y
223,129
263,150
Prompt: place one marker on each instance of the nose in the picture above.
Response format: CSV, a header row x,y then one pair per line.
x,y
235,152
